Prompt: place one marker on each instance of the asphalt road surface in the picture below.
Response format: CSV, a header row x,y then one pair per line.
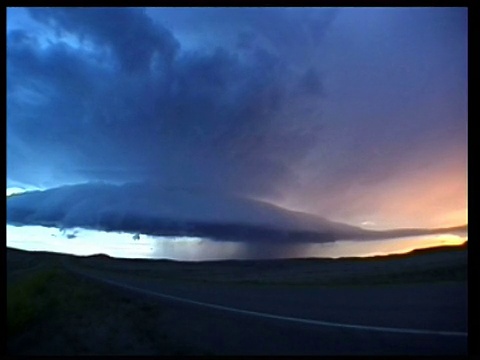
x,y
413,319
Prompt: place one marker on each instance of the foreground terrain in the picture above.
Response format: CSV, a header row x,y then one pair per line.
x,y
409,304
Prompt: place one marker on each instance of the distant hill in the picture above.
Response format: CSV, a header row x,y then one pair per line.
x,y
104,257
437,249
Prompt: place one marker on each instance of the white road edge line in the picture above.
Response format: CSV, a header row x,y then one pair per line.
x,y
278,317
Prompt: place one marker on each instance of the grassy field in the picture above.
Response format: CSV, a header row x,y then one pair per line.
x,y
51,311
442,264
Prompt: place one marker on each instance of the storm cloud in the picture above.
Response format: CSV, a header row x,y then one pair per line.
x,y
346,113
148,209
126,103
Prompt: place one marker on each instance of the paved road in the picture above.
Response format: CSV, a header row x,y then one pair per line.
x,y
409,319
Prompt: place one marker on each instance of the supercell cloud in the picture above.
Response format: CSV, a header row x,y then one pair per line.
x,y
355,115
159,211
110,94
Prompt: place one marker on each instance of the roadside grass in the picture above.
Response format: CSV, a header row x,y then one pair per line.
x,y
303,274
25,301
440,274
39,294
52,312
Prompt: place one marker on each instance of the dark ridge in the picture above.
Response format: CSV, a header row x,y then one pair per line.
x,y
438,249
98,256
36,252
413,253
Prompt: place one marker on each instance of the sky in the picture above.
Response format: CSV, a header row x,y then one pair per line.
x,y
355,115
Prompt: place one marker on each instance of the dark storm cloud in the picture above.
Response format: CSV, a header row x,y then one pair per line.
x,y
129,208
130,34
128,103
315,108
177,212
310,82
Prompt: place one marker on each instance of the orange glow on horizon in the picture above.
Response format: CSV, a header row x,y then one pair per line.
x,y
384,247
440,240
422,194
